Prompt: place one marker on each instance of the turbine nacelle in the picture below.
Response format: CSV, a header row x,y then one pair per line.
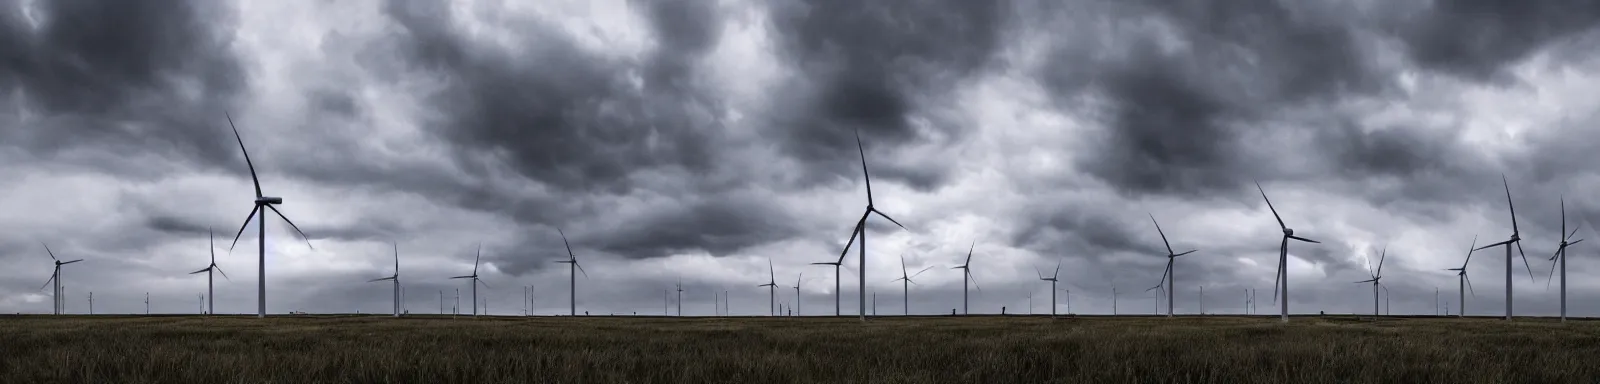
x,y
269,200
1288,231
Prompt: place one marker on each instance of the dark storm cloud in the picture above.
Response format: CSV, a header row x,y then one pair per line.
x,y
129,77
1478,38
872,66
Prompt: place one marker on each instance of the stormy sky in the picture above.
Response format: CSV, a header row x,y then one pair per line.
x,y
695,140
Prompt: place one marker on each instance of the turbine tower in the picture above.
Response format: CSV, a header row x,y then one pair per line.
x,y
966,275
1376,280
211,303
836,265
57,295
797,293
1280,283
680,297
905,278
1560,258
772,289
572,270
861,227
396,278
262,204
473,276
1464,283
1167,278
1516,239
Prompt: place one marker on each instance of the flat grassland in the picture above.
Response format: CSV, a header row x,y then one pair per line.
x,y
990,349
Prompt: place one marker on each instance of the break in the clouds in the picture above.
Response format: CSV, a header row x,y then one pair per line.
x,y
694,140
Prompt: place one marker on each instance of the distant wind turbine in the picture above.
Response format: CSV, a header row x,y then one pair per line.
x,y
1560,258
1167,277
906,282
210,278
1280,283
396,278
1053,279
1464,283
966,275
797,294
59,294
475,281
572,270
772,289
262,203
836,265
1377,276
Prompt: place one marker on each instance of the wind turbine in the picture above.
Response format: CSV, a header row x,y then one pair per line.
x,y
473,276
1561,258
1377,276
573,270
210,278
147,303
680,297
1516,239
1167,278
1464,283
966,274
262,203
797,293
396,278
861,228
1283,258
1113,279
906,283
772,289
57,295
1053,279
836,265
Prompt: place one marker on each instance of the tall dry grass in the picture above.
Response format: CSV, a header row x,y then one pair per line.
x,y
42,349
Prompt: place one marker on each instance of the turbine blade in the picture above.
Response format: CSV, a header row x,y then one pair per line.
x,y
580,269
891,219
291,225
70,262
1551,277
564,242
380,279
862,150
49,252
480,281
903,264
1269,206
1277,274
1513,208
47,281
246,152
1165,272
213,237
1575,242
1491,245
1557,253
920,272
1469,284
1057,273
1041,273
1380,261
476,258
1470,249
1525,262
201,270
462,277
219,270
1185,252
853,233
1366,281
772,274
1163,234
242,227
1305,239
969,253
974,280
1564,217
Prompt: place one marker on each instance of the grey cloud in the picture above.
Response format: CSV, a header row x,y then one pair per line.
x,y
1478,38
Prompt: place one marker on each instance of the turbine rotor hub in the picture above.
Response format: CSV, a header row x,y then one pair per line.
x,y
1514,237
1288,231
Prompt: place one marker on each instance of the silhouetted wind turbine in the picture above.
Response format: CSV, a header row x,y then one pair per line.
x,y
474,276
861,228
1376,280
210,278
772,289
261,202
396,278
966,274
680,297
1516,239
1280,283
1560,258
572,270
1053,279
1464,283
1167,278
797,293
906,283
57,296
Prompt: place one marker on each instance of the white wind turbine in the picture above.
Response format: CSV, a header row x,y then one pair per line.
x,y
1463,283
1376,280
210,277
861,228
59,295
772,289
396,278
1516,239
1280,282
966,275
572,270
906,282
1560,258
473,276
1167,277
262,204
1053,279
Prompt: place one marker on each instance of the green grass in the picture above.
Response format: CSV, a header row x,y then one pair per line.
x,y
103,349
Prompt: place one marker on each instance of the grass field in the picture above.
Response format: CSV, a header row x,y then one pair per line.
x,y
427,349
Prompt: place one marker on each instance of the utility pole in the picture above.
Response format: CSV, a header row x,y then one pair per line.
x,y
441,302
202,303
147,303
666,301
1436,301
1069,302
1202,300
875,302
91,302
524,301
456,310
